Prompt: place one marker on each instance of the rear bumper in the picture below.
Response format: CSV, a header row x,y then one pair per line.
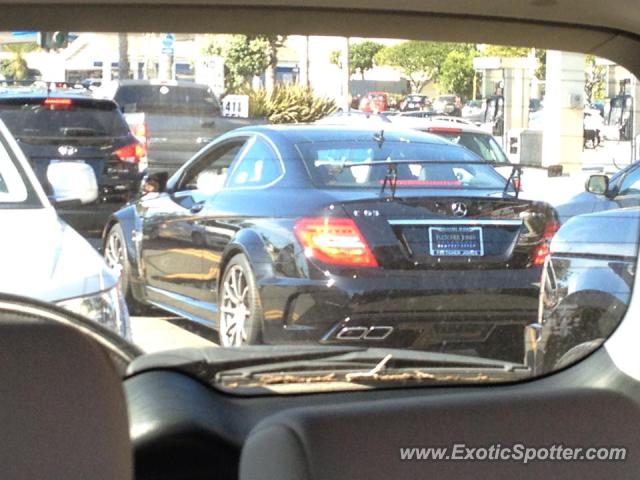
x,y
399,308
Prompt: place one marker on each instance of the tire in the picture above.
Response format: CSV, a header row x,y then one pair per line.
x,y
116,257
239,307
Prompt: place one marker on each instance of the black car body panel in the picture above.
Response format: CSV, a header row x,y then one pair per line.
x,y
426,300
587,285
76,128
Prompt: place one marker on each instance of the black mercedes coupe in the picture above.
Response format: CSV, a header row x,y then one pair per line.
x,y
337,235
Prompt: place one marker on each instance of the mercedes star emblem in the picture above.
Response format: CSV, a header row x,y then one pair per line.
x,y
459,209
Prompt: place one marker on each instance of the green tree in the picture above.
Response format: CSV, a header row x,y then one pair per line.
x,y
420,61
244,57
361,56
505,51
594,79
16,68
457,73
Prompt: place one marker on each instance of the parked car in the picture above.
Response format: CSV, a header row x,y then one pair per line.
x,y
414,101
172,119
444,104
375,102
354,117
586,287
605,193
73,127
473,111
416,114
290,208
41,256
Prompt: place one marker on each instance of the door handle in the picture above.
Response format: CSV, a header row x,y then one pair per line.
x,y
196,207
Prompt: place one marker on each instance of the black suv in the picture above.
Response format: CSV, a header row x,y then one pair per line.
x,y
174,119
72,127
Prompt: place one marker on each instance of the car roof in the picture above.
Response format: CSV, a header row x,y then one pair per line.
x,y
78,97
159,83
306,133
438,122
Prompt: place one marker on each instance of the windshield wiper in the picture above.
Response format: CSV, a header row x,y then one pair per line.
x,y
391,177
375,365
516,173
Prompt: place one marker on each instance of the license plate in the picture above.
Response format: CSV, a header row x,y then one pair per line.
x,y
456,241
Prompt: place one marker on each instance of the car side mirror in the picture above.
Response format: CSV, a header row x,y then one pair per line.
x,y
598,184
72,183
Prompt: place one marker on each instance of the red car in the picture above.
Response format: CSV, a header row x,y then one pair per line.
x,y
375,101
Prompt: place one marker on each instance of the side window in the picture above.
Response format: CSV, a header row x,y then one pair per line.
x,y
259,166
631,183
209,174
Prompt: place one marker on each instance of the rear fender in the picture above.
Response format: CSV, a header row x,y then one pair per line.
x,y
249,243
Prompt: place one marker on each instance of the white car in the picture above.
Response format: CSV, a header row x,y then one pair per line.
x,y
41,256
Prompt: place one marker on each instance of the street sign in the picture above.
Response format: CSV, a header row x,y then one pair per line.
x,y
235,106
168,43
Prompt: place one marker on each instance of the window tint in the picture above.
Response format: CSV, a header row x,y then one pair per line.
x,y
210,173
329,162
32,118
631,183
482,145
258,167
167,99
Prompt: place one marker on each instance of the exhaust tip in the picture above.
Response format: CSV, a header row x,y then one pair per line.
x,y
352,333
364,333
378,333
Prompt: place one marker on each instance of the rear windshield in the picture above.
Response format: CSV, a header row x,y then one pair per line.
x,y
330,164
485,146
34,118
167,99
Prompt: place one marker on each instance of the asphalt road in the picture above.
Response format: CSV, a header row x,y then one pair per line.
x,y
155,334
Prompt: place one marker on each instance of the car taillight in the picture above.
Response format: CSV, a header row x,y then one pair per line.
x,y
139,130
132,153
542,251
336,241
444,130
57,102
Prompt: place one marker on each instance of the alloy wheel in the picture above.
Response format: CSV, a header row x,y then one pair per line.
x,y
235,308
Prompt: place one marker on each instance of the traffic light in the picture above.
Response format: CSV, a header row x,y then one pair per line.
x,y
53,40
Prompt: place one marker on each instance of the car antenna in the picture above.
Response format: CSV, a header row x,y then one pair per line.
x,y
379,137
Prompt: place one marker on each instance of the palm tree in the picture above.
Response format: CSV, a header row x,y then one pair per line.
x,y
16,68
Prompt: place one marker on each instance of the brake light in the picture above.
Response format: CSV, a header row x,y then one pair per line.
x,y
57,102
542,251
139,131
132,153
336,241
444,130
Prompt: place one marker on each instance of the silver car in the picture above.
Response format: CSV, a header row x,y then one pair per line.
x,y
41,256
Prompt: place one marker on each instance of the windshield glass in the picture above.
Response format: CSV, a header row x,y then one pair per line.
x,y
297,196
167,98
485,146
15,189
327,162
67,118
